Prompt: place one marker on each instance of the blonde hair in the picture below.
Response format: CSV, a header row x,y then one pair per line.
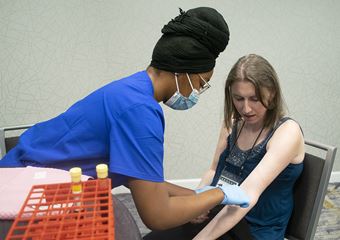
x,y
261,74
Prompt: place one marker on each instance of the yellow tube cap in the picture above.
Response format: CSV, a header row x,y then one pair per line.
x,y
75,174
102,171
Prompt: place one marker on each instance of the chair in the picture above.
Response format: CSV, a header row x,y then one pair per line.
x,y
310,191
7,143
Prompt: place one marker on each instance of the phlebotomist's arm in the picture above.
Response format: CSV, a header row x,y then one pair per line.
x,y
159,210
175,190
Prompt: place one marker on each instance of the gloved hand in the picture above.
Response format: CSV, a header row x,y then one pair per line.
x,y
234,195
203,189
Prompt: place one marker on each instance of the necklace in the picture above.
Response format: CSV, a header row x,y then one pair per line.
x,y
248,152
238,135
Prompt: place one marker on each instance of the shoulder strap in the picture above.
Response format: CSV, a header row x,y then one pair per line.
x,y
281,121
233,135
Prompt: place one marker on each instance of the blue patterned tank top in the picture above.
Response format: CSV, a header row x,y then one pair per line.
x,y
268,219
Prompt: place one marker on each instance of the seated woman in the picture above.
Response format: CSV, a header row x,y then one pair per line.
x,y
260,149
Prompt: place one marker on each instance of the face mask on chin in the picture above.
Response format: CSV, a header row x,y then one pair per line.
x,y
179,102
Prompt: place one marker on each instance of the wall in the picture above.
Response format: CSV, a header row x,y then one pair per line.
x,y
53,53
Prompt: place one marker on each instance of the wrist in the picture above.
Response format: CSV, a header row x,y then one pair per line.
x,y
203,189
220,193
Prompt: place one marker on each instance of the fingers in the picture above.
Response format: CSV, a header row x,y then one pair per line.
x,y
234,195
200,218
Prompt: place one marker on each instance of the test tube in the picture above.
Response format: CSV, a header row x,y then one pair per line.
x,y
76,186
102,174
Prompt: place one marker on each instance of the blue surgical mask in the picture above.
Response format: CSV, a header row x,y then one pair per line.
x,y
179,102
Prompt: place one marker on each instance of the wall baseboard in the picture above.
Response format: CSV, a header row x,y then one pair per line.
x,y
193,183
335,177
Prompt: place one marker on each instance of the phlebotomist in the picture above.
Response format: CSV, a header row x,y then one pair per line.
x,y
122,123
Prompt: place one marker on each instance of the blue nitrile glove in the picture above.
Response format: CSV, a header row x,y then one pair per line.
x,y
234,195
203,189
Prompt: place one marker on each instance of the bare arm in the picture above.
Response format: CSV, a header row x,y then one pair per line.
x,y
175,190
286,146
160,211
221,145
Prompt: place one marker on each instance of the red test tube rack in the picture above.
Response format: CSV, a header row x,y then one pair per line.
x,y
53,212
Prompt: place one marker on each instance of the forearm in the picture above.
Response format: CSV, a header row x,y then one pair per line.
x,y
160,211
229,216
181,209
207,178
175,190
225,220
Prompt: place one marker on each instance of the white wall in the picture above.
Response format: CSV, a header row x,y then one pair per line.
x,y
55,52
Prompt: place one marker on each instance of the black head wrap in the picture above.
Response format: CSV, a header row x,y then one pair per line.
x,y
191,42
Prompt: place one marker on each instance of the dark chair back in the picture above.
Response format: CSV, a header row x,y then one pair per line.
x,y
309,193
8,142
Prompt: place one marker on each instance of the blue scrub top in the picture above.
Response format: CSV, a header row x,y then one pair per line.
x,y
120,124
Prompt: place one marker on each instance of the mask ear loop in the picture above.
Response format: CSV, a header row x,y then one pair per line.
x,y
176,74
190,81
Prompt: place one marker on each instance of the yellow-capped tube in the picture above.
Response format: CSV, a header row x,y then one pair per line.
x,y
102,171
76,186
102,174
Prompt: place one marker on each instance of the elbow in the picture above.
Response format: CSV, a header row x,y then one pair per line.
x,y
253,198
253,192
157,220
163,220
156,224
